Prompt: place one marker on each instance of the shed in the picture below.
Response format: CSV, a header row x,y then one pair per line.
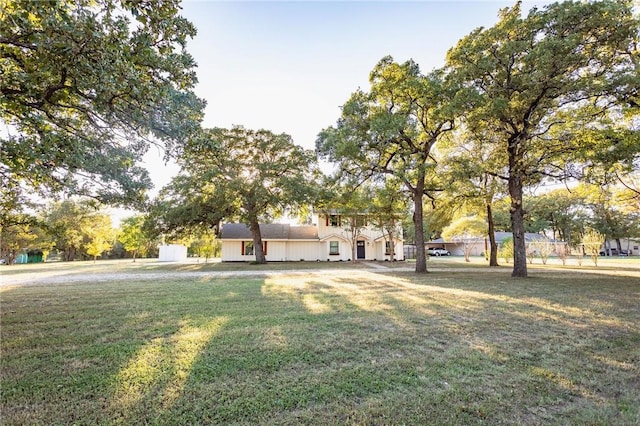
x,y
173,253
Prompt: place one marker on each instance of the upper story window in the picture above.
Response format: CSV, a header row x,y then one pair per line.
x,y
355,220
361,221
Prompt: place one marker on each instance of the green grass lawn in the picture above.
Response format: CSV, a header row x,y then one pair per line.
x,y
454,346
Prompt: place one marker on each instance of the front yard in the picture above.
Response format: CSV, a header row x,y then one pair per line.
x,y
325,346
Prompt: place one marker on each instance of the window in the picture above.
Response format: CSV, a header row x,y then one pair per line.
x,y
247,248
388,247
334,247
361,221
334,220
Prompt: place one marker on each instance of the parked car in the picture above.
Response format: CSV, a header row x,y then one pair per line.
x,y
438,252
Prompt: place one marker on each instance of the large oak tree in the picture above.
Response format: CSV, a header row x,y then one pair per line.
x,y
238,174
86,86
391,130
569,61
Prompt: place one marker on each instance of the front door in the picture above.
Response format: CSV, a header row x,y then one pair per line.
x,y
360,249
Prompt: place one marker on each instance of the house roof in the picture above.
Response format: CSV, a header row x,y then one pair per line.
x,y
270,231
333,237
303,232
528,236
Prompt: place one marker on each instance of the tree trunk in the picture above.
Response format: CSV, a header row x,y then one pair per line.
x,y
392,245
467,247
354,240
257,242
418,223
493,253
69,254
11,257
517,224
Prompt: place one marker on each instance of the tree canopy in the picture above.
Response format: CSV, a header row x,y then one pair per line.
x,y
86,87
530,77
238,174
132,235
475,174
391,130
560,212
78,227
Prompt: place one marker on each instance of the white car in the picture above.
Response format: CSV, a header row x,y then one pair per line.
x,y
438,252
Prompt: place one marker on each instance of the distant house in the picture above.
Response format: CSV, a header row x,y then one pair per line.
x,y
629,246
481,245
327,239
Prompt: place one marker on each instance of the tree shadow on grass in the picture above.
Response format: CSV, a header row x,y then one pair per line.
x,y
360,348
83,353
365,349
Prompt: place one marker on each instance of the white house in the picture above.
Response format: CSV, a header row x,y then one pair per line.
x,y
327,239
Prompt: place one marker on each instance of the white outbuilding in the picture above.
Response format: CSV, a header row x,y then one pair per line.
x,y
173,253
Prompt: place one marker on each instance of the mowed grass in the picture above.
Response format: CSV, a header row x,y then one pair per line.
x,y
355,347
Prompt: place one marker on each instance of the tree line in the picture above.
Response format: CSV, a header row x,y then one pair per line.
x,y
581,218
80,229
545,96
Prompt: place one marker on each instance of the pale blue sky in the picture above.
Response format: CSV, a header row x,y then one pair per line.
x,y
289,66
